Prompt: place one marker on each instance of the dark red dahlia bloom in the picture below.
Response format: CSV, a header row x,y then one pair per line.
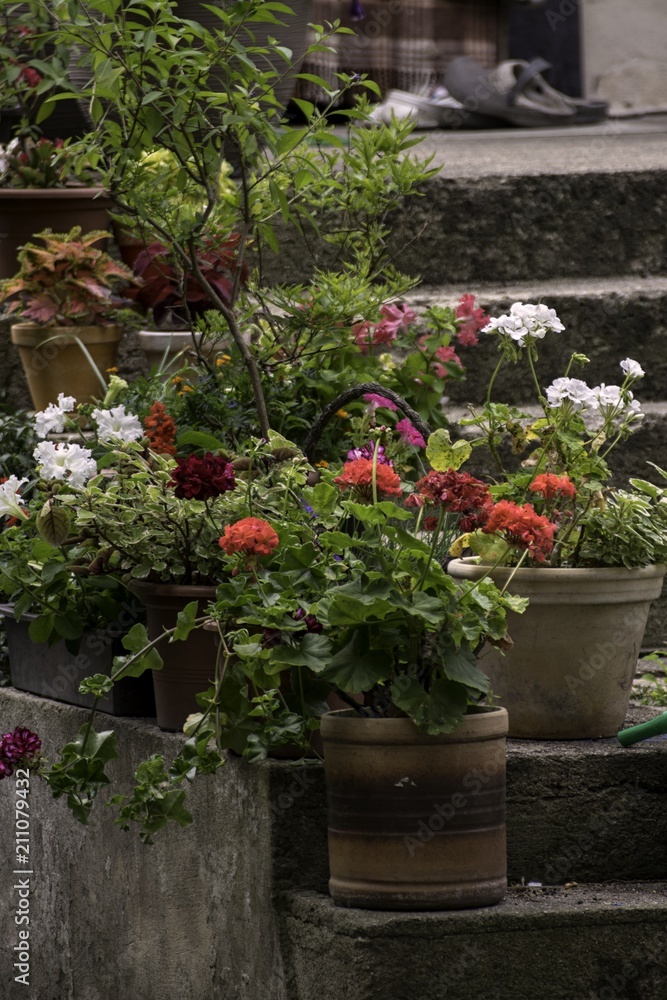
x,y
200,478
459,493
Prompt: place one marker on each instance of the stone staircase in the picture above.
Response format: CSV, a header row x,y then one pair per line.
x,y
236,906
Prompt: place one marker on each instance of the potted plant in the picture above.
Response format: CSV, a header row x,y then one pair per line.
x,y
590,556
63,622
38,178
182,299
65,295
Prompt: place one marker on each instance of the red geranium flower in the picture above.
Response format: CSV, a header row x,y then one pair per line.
x,y
359,476
459,493
252,536
523,527
550,485
200,478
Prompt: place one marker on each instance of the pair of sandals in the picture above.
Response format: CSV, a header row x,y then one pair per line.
x,y
514,93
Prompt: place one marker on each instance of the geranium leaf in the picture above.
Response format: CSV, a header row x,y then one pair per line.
x,y
443,455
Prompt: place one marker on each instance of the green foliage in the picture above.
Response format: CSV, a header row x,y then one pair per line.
x,y
80,773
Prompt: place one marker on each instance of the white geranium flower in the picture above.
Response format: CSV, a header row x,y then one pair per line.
x,y
117,425
617,405
525,320
632,368
68,462
579,395
9,498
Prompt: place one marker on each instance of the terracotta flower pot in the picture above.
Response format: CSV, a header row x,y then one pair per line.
x,y
189,666
54,362
416,822
26,211
569,674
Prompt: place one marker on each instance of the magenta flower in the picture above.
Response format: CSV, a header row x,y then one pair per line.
x,y
474,320
375,400
368,451
410,434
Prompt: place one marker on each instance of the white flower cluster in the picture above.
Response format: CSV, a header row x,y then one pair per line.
x,y
605,402
525,321
68,462
52,419
9,497
117,425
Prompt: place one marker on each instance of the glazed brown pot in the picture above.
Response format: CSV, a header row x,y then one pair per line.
x,y
569,673
416,822
189,666
54,361
27,211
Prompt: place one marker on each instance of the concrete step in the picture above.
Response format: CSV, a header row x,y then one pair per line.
x,y
583,811
607,319
588,942
517,206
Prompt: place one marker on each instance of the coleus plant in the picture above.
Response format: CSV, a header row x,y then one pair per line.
x,y
66,281
170,287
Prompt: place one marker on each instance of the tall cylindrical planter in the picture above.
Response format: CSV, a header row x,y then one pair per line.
x,y
54,360
189,665
27,211
416,822
569,673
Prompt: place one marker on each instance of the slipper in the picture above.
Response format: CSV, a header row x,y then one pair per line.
x,y
440,110
586,112
506,93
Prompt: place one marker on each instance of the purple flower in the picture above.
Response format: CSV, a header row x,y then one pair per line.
x,y
17,747
410,434
367,452
357,12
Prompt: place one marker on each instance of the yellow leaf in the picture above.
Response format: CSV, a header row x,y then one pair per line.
x,y
443,455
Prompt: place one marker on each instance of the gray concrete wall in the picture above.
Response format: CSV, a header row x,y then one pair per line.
x,y
189,918
625,56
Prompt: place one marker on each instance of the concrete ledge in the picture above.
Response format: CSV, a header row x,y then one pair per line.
x,y
585,942
195,916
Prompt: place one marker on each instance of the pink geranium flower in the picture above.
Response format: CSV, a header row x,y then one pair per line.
x,y
410,434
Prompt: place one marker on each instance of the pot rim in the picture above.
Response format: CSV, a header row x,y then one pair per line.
x,y
582,572
479,724
99,194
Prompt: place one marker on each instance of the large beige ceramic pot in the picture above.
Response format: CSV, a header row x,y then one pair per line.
x,y
569,674
416,822
54,360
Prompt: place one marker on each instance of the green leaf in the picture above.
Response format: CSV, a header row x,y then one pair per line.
x,y
185,621
69,625
136,638
461,665
313,651
443,455
53,523
40,629
98,685
440,710
354,670
203,440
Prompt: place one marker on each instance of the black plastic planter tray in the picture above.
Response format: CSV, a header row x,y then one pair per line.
x,y
54,672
